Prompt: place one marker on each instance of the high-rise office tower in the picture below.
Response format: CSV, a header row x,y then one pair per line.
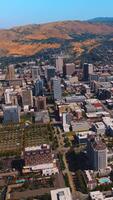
x,y
57,88
40,103
59,64
7,95
14,100
35,70
27,97
39,88
10,74
50,72
69,69
11,114
87,70
97,153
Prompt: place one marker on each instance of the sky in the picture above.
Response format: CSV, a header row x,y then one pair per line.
x,y
21,12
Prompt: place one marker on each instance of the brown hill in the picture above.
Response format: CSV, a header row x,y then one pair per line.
x,y
31,39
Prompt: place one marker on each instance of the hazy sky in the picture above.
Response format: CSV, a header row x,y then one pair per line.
x,y
20,12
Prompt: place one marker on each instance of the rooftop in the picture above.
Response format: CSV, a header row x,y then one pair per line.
x,y
98,145
61,194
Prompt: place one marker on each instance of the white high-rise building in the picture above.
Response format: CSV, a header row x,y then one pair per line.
x,y
59,64
7,95
35,70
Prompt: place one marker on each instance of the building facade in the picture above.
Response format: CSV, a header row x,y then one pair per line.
x,y
57,89
87,70
39,88
97,153
11,114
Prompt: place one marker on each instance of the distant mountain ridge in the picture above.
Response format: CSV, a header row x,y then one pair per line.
x,y
82,39
102,20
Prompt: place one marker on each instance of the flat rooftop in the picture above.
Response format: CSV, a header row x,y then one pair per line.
x,y
61,194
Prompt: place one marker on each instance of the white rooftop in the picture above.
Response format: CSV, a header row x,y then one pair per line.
x,y
34,148
92,101
61,194
108,121
99,125
97,195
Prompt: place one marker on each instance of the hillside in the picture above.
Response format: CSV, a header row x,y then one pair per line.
x,y
79,38
102,20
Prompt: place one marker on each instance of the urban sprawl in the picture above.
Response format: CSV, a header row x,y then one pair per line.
x,y
56,131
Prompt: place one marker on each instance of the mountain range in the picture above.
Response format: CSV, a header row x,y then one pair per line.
x,y
90,40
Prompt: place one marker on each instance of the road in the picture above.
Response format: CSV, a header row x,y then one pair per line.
x,y
69,175
63,150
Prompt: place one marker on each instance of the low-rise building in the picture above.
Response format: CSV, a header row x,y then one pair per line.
x,y
90,179
76,99
80,126
108,121
42,117
11,114
99,128
61,194
40,158
83,136
97,195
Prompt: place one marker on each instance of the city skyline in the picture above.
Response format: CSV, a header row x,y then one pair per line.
x,y
19,12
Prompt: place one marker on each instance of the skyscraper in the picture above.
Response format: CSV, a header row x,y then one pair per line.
x,y
27,97
87,70
40,103
69,69
10,74
39,88
50,72
57,88
35,70
59,64
97,153
11,114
